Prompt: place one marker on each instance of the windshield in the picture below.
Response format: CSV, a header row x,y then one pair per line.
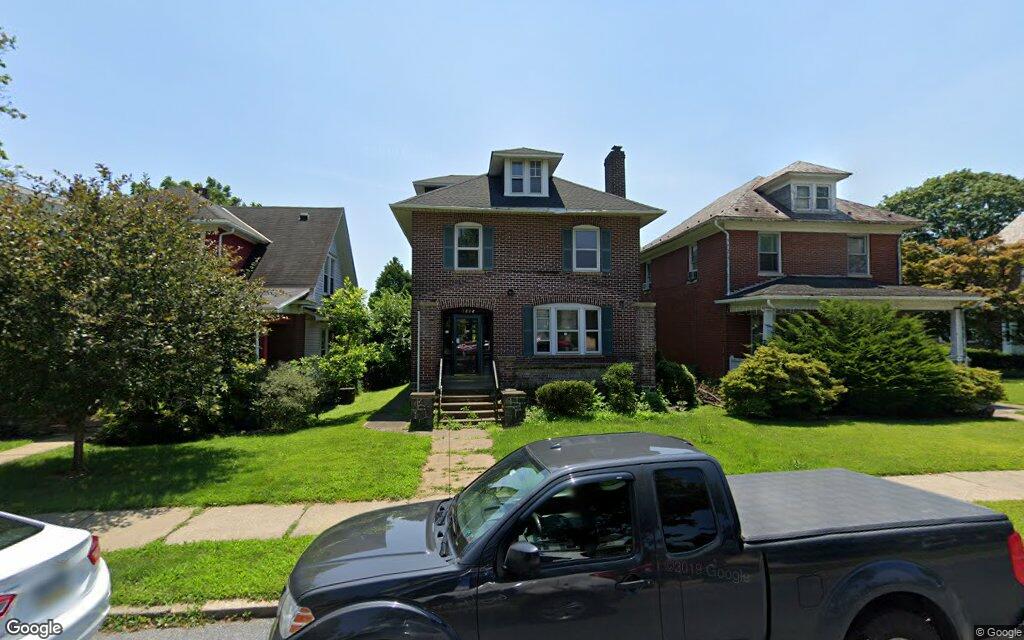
x,y
496,492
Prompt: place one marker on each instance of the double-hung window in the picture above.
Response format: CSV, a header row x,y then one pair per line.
x,y
586,254
857,255
812,197
769,253
822,197
536,176
524,177
516,180
802,197
330,265
647,276
567,329
468,246
691,273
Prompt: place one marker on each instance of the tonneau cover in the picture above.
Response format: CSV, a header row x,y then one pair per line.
x,y
802,504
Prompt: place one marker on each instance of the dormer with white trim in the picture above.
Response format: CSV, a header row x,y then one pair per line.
x,y
803,187
526,172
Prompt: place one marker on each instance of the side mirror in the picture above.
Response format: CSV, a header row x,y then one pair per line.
x,y
522,559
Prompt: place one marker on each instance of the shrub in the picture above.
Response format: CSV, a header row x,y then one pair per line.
x,y
343,367
243,388
676,382
619,388
887,361
571,398
975,390
655,400
287,398
774,383
990,359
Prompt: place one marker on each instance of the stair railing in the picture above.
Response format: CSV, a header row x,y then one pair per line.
x,y
497,389
440,390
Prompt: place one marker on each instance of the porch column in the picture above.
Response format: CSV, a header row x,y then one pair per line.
x,y
767,324
957,337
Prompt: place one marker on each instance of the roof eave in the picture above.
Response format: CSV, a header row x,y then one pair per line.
x,y
802,298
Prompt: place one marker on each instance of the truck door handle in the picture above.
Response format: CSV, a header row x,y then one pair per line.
x,y
632,584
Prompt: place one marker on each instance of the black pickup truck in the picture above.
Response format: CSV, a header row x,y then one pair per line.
x,y
642,536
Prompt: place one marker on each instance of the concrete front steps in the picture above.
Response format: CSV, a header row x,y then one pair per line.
x,y
469,408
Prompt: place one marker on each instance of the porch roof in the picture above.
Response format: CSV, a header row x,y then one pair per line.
x,y
807,291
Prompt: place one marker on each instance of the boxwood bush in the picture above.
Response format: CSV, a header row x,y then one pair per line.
x,y
974,391
569,398
774,383
676,382
619,388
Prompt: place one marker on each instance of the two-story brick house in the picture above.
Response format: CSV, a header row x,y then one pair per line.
x,y
772,245
522,274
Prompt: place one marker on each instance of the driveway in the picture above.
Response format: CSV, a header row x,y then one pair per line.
x,y
251,630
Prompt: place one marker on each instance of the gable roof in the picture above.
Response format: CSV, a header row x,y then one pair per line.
x,y
439,181
487,193
1013,232
746,202
295,260
210,213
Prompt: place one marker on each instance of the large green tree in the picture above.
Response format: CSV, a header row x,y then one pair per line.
x,y
114,300
393,277
960,204
7,107
212,189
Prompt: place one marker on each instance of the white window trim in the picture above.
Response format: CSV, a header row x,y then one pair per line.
x,y
544,173
479,246
814,195
597,251
581,328
325,340
692,256
778,251
867,255
329,279
647,276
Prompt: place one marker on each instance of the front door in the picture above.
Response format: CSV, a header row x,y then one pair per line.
x,y
467,344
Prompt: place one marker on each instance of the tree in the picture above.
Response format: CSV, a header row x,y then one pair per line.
x,y
114,300
346,313
987,267
213,190
961,203
7,107
391,330
393,277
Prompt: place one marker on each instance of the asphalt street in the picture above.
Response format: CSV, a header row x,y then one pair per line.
x,y
251,630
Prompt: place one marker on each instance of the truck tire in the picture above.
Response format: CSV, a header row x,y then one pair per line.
x,y
894,624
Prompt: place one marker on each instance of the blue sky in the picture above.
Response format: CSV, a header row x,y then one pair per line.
x,y
332,103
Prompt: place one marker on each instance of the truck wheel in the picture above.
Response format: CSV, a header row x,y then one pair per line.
x,y
894,624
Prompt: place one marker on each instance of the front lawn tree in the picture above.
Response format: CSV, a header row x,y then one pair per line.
x,y
7,107
112,300
960,204
212,189
393,277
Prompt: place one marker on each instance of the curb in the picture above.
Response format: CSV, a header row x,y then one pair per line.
x,y
216,609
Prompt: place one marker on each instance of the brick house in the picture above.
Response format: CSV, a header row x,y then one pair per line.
x,y
773,245
522,274
299,254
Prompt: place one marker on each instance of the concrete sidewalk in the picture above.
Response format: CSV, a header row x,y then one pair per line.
x,y
34,448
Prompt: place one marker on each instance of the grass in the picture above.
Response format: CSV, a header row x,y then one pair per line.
x,y
195,572
876,447
1012,508
11,444
1014,390
337,460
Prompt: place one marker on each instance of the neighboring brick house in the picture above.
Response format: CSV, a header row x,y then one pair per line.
x,y
525,273
300,254
775,245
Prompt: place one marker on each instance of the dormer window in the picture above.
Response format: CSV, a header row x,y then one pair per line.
x,y
526,178
812,197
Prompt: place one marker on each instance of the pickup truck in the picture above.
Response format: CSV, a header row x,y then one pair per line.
x,y
643,536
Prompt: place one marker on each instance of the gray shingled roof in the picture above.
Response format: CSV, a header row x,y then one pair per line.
x,y
525,151
745,202
439,181
209,212
839,287
808,167
295,259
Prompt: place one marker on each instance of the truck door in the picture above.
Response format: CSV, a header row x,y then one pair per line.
x,y
597,578
711,589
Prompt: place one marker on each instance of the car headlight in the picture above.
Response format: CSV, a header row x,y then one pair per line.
x,y
290,616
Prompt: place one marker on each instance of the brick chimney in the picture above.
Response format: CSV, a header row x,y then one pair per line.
x,y
615,172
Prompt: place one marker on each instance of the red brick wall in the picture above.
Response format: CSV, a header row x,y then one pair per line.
x,y
239,247
527,261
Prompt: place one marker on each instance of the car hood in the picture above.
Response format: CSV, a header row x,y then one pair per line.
x,y
394,540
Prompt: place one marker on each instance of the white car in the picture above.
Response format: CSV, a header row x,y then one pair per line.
x,y
53,583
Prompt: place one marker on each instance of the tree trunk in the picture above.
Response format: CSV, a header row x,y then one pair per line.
x,y
78,459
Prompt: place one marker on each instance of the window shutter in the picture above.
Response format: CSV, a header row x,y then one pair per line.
x,y
566,249
606,331
448,242
606,250
488,248
527,330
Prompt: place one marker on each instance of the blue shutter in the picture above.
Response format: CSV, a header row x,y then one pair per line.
x,y
527,330
606,331
606,250
566,249
488,248
448,242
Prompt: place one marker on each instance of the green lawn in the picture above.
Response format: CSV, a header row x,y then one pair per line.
x,y
161,573
1012,508
10,444
1014,390
338,460
887,447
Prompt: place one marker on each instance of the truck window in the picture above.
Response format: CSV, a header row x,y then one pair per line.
x,y
587,521
687,519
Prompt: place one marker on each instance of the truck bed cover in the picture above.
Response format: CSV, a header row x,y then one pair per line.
x,y
802,504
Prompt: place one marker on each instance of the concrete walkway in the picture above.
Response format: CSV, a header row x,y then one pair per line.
x,y
34,448
455,460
